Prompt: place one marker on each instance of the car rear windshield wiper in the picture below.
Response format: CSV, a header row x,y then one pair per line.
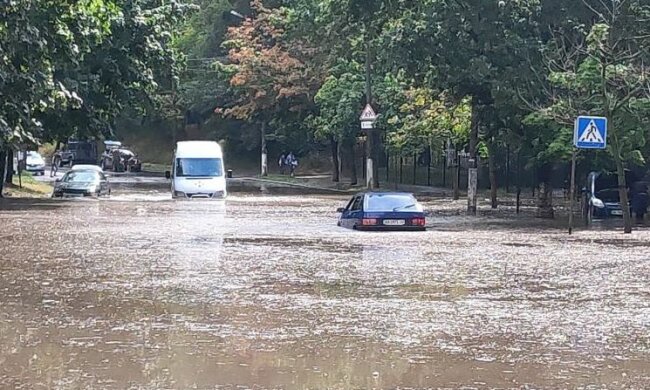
x,y
405,207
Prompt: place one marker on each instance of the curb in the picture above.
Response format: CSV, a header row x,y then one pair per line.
x,y
297,185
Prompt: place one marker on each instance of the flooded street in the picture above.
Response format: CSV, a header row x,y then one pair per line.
x,y
266,292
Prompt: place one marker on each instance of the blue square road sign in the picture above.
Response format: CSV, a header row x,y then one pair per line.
x,y
590,132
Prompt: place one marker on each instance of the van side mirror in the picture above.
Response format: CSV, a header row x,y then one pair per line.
x,y
340,210
168,175
58,180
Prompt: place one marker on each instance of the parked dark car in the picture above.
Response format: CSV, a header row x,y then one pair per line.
x,y
82,183
383,211
76,152
602,197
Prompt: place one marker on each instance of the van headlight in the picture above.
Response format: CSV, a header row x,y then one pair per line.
x,y
597,203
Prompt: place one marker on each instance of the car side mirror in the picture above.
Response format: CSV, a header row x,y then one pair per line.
x,y
340,210
168,175
57,180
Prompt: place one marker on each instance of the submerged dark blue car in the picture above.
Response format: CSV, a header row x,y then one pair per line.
x,y
383,211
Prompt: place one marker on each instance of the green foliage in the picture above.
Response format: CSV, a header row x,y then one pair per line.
x,y
338,102
70,67
603,78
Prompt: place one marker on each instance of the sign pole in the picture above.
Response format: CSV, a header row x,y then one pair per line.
x,y
572,191
368,117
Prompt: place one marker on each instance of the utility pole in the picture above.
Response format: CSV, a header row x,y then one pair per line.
x,y
372,182
265,166
472,163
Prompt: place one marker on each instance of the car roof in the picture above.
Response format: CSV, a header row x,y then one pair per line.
x,y
198,149
86,167
385,193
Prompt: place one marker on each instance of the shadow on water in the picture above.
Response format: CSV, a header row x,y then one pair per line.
x,y
28,204
238,187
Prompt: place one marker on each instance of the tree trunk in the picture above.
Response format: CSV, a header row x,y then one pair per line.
x,y
545,193
265,166
472,172
9,174
493,176
335,159
3,166
622,193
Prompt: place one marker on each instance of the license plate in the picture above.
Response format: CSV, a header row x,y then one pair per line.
x,y
394,222
617,212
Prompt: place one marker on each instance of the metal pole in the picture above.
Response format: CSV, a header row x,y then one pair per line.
x,y
444,171
371,162
573,189
387,166
365,144
429,167
507,168
415,168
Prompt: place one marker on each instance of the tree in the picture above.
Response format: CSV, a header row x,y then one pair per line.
x,y
466,48
71,67
270,76
36,36
337,119
603,72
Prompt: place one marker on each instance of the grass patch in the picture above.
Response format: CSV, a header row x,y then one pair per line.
x,y
30,187
282,178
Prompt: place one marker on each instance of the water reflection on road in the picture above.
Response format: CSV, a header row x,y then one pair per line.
x,y
266,292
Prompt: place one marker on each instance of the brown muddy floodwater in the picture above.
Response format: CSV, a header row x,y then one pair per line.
x,y
265,292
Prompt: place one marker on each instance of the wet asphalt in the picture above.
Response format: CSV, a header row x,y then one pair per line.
x,y
264,291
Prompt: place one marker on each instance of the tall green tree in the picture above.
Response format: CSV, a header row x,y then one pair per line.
x,y
270,75
603,72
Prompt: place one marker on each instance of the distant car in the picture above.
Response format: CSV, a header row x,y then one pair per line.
x,y
383,211
76,152
34,163
81,183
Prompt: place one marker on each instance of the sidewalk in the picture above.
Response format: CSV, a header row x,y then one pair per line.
x,y
324,183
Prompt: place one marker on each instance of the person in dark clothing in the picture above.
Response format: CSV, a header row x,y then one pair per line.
x,y
291,162
639,200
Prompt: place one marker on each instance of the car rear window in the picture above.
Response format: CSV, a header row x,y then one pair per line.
x,y
391,202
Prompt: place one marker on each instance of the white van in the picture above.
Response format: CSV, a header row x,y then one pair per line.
x,y
197,170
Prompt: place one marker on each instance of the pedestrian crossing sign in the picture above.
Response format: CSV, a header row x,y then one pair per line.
x,y
590,132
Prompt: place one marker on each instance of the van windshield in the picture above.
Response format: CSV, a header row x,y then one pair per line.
x,y
198,167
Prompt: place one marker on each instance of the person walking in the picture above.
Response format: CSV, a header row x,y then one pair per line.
x,y
54,167
281,164
292,163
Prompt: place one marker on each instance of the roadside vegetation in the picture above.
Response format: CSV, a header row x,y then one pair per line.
x,y
27,186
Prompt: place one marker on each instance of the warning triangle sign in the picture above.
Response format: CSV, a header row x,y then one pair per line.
x,y
368,114
591,134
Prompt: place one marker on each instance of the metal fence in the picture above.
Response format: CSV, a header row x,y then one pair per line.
x,y
437,170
